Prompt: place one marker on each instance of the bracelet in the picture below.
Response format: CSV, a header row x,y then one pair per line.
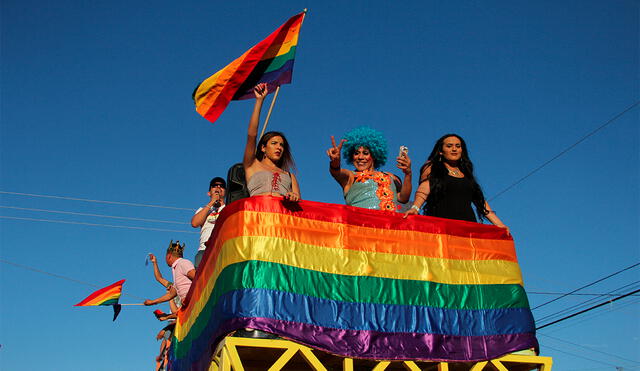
x,y
414,207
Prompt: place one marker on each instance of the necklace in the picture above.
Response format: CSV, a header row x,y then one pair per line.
x,y
454,172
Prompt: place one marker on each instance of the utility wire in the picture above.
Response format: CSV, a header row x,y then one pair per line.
x,y
565,150
59,276
96,215
588,309
579,356
587,302
96,201
590,316
589,349
585,286
97,224
569,294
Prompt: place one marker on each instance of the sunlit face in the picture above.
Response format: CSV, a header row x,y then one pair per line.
x,y
274,148
451,149
362,159
217,189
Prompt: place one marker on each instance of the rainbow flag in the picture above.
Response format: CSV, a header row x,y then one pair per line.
x,y
270,62
356,282
105,296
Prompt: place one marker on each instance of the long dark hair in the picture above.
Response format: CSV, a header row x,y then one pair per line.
x,y
286,161
439,172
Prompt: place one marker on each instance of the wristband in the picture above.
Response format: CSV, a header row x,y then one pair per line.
x,y
414,207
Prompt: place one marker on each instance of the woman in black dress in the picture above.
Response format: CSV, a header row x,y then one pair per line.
x,y
448,186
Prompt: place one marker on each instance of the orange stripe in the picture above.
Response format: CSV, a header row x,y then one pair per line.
x,y
338,235
214,84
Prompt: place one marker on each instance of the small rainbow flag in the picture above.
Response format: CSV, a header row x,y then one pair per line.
x,y
105,296
270,62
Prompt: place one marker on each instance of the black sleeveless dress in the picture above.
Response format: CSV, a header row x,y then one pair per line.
x,y
456,200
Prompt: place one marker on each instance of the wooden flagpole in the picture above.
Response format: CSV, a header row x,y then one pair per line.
x,y
273,102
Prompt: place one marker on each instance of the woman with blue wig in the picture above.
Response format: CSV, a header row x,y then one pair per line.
x,y
366,150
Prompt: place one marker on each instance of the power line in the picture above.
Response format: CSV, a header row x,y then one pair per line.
x,y
58,276
565,150
569,294
585,286
590,316
588,309
97,224
589,349
87,214
587,302
96,201
579,356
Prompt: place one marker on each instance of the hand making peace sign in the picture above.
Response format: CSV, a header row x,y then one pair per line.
x,y
334,153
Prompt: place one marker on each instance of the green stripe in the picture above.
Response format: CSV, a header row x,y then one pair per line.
x,y
363,289
279,61
273,276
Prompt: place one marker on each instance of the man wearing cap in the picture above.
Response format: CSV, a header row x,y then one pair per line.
x,y
206,216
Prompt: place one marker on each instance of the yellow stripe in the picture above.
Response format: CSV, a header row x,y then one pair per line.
x,y
354,263
353,237
361,263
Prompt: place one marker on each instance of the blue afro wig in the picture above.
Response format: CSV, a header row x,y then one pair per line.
x,y
365,137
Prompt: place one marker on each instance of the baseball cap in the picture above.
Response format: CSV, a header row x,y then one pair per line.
x,y
217,180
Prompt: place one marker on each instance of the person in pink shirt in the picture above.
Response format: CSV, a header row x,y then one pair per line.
x,y
183,274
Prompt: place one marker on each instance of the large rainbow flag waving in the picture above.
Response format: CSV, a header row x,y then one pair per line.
x,y
270,61
356,282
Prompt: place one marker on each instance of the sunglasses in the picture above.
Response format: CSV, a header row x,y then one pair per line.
x,y
218,185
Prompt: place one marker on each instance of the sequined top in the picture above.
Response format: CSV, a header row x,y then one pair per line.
x,y
269,182
372,190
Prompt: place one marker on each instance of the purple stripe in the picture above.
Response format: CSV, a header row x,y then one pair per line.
x,y
377,345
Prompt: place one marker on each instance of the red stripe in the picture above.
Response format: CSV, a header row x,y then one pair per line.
x,y
363,217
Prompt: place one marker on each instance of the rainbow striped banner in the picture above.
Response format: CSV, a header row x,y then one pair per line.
x,y
356,282
270,62
106,296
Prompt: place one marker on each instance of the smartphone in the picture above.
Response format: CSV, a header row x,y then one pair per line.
x,y
403,152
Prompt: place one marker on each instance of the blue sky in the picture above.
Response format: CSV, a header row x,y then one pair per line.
x,y
96,104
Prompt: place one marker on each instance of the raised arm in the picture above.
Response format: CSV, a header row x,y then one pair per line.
x,y
156,271
422,193
260,91
200,217
404,164
342,176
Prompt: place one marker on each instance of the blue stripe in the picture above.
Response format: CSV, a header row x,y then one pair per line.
x,y
286,306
